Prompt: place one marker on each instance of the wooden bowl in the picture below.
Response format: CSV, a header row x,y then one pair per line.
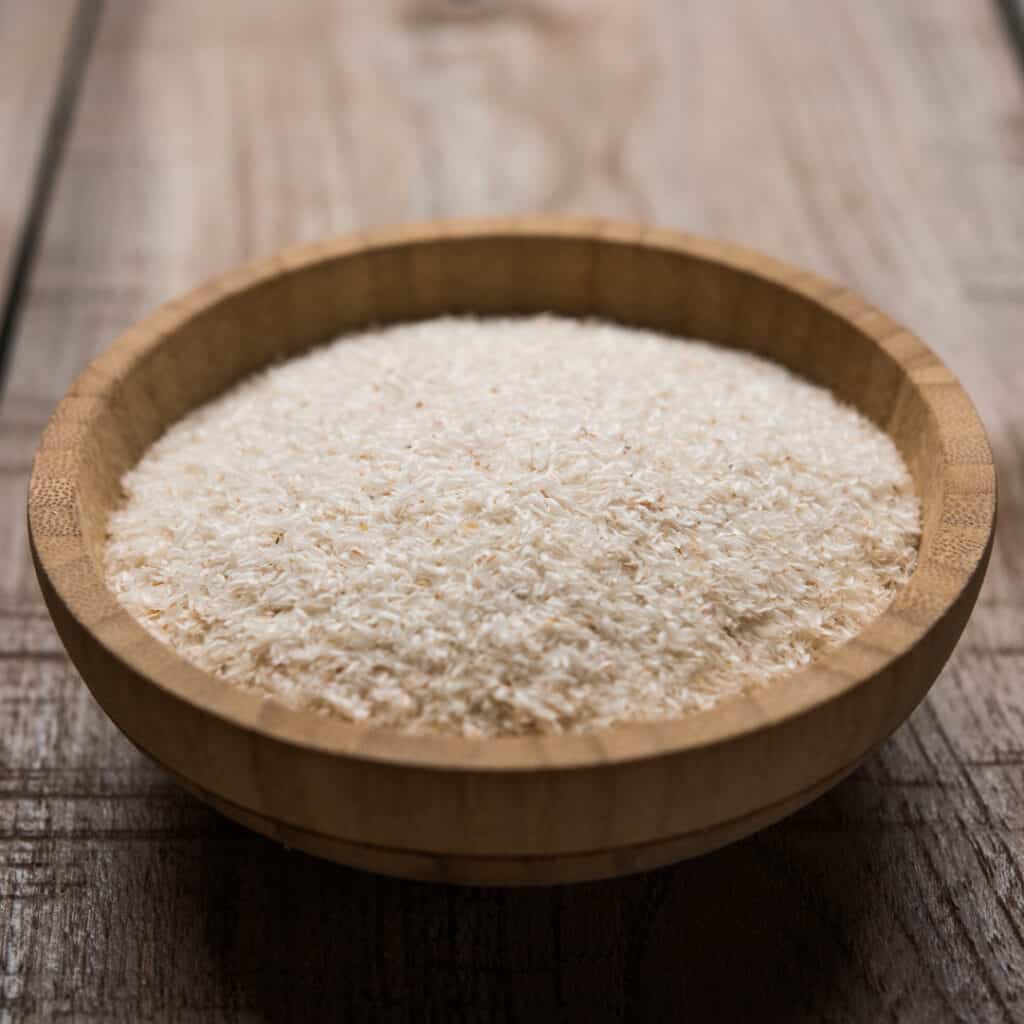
x,y
517,810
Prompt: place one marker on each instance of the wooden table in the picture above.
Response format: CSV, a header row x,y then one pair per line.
x,y
147,145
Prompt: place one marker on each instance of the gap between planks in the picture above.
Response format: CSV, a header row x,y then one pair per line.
x,y
71,76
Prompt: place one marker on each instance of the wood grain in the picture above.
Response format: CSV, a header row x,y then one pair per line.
x,y
878,143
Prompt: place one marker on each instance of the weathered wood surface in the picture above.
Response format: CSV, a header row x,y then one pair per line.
x,y
878,142
33,38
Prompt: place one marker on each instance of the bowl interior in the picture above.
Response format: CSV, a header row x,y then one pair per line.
x,y
194,348
688,295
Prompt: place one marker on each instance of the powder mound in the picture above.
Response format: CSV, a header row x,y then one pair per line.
x,y
490,527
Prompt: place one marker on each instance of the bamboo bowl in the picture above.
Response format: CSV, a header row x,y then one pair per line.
x,y
511,811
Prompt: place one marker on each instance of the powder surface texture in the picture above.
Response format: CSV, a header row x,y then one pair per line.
x,y
490,527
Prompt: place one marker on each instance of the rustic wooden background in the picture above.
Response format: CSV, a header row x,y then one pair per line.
x,y
147,145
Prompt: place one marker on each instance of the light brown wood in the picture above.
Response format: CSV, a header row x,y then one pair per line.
x,y
546,808
875,142
33,38
506,871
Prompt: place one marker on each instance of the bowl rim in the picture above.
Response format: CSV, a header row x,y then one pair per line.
x,y
952,562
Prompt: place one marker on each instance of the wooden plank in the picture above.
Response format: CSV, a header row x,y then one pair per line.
x,y
877,142
33,41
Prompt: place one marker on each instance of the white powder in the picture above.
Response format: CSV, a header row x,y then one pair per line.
x,y
491,527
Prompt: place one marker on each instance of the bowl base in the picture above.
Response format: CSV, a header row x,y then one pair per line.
x,y
522,870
